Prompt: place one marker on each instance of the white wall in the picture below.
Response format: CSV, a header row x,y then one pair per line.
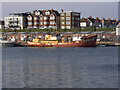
x,y
1,26
83,24
20,19
117,31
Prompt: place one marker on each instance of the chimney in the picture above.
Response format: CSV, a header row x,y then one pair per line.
x,y
90,16
103,18
34,11
97,18
51,10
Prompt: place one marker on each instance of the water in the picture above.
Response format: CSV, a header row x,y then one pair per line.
x,y
71,67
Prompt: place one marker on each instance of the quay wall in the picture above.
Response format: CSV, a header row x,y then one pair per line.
x,y
18,36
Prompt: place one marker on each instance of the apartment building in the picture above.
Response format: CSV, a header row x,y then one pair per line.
x,y
69,20
42,19
16,21
1,24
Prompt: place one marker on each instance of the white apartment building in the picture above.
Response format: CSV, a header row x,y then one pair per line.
x,y
16,21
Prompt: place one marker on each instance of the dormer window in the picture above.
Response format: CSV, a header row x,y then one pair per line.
x,y
37,13
52,17
29,18
47,13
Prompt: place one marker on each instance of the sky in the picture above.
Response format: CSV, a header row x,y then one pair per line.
x,y
60,0
95,9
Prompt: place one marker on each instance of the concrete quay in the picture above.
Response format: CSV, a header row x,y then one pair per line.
x,y
20,37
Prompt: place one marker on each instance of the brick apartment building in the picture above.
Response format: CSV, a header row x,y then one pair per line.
x,y
42,19
69,20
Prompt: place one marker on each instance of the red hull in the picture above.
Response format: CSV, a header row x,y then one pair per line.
x,y
80,44
88,42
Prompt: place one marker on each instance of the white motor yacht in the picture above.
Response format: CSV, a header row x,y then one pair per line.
x,y
7,43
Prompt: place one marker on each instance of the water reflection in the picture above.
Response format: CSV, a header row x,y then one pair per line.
x,y
60,67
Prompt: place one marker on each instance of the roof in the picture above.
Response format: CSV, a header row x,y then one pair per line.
x,y
118,26
91,19
83,20
55,12
1,22
20,14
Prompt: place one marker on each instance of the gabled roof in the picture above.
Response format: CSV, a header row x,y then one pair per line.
x,y
1,22
83,20
55,12
97,19
118,26
91,19
29,16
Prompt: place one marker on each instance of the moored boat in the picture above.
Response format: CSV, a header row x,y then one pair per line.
x,y
53,41
6,43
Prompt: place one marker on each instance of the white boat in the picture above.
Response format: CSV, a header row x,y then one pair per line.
x,y
6,43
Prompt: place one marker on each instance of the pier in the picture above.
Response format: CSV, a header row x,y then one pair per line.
x,y
108,43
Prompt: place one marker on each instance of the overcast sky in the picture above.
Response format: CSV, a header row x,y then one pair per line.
x,y
95,9
60,0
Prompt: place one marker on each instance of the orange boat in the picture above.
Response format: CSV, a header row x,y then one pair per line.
x,y
85,41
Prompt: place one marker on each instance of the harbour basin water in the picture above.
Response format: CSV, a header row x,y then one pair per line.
x,y
71,67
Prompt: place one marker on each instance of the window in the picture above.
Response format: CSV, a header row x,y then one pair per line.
x,y
63,27
15,19
67,18
15,24
6,23
41,18
62,18
47,13
41,22
67,23
63,22
62,14
67,14
36,18
52,17
52,22
35,27
37,13
45,18
29,23
29,18
72,22
72,18
19,19
45,22
68,27
36,23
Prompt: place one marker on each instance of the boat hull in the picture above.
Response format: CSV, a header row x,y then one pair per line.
x,y
7,44
88,42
